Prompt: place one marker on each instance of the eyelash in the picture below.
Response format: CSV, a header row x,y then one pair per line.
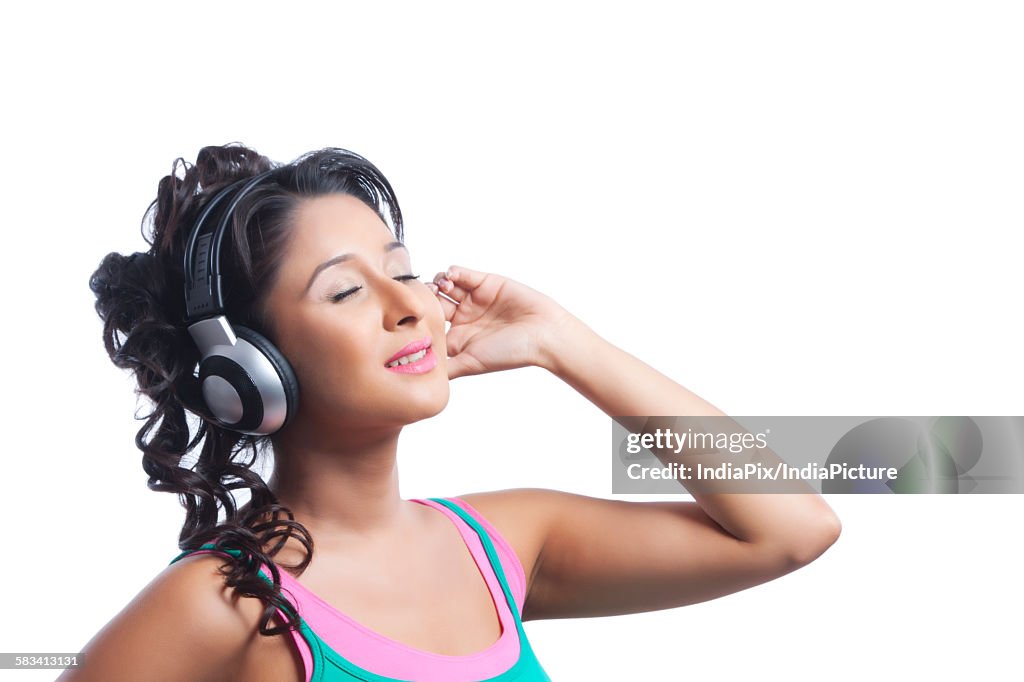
x,y
339,296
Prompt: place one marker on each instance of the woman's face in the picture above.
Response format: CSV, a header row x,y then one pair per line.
x,y
339,346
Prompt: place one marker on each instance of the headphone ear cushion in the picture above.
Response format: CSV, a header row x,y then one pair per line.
x,y
280,364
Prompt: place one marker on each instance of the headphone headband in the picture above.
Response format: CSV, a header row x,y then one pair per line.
x,y
203,295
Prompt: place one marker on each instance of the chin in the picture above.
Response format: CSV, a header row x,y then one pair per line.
x,y
440,401
423,406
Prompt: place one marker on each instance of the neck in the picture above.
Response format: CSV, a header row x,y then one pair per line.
x,y
342,488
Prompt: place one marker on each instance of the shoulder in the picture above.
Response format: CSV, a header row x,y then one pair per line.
x,y
185,624
197,583
527,514
194,588
524,512
517,513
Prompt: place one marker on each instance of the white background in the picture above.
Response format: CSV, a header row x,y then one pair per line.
x,y
791,208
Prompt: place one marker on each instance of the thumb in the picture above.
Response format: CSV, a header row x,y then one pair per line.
x,y
456,339
462,365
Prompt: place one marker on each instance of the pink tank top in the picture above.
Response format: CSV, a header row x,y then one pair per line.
x,y
384,656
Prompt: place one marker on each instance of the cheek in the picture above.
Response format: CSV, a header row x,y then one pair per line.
x,y
434,311
331,358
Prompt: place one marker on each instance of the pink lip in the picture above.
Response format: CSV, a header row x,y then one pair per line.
x,y
424,364
410,348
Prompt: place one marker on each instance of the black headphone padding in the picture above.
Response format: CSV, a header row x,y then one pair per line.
x,y
281,366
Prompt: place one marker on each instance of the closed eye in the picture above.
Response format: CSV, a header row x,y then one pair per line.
x,y
343,294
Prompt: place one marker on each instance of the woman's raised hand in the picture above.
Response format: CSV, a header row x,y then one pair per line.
x,y
497,323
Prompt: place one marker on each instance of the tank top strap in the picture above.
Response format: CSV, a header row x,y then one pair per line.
x,y
208,546
527,668
492,553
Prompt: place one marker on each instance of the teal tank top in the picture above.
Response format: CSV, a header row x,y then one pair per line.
x,y
330,666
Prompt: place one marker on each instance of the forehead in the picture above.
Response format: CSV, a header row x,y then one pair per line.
x,y
324,226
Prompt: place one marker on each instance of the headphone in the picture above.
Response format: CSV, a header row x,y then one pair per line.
x,y
247,383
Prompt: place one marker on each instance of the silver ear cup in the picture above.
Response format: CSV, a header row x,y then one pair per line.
x,y
246,383
222,399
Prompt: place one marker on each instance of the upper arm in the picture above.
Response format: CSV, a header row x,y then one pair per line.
x,y
589,556
184,625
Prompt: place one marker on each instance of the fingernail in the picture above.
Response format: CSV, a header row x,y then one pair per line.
x,y
451,273
446,284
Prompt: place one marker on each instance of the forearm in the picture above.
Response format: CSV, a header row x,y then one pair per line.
x,y
621,384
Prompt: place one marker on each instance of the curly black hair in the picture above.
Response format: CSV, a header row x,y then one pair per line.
x,y
140,299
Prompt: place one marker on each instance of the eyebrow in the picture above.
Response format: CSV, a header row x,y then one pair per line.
x,y
391,246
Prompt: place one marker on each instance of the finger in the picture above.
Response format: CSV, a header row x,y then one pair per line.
x,y
448,306
464,277
448,288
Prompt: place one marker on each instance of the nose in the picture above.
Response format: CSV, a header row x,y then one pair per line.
x,y
401,305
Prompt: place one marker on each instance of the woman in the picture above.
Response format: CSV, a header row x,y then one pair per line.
x,y
310,271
